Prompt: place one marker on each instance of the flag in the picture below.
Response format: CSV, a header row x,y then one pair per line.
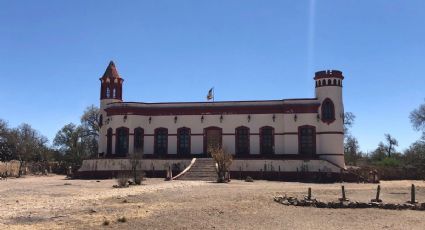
x,y
210,94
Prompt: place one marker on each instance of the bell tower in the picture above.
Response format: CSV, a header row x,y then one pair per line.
x,y
111,85
110,92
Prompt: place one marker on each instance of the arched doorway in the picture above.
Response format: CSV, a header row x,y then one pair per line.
x,y
212,138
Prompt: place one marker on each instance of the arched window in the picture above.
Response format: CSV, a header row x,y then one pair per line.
x,y
108,92
109,142
324,82
307,140
114,93
242,140
334,82
161,141
267,140
121,144
138,140
183,141
329,82
320,82
328,111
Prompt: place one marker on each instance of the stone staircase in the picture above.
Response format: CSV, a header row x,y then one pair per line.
x,y
202,169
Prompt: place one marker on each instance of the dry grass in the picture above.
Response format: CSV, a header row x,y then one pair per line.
x,y
46,203
11,168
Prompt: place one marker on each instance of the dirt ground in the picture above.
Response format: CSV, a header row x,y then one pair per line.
x,y
51,202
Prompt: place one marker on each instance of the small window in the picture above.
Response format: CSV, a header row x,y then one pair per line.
x,y
328,111
161,141
267,140
114,93
335,82
329,82
108,92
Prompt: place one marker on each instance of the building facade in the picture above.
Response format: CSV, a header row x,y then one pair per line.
x,y
280,133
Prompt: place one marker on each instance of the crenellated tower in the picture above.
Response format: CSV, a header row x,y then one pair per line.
x,y
331,115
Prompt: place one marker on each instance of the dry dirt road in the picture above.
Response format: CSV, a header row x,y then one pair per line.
x,y
51,202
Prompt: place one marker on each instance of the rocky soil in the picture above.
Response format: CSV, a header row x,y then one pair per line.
x,y
51,202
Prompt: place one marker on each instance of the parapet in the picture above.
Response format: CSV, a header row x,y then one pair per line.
x,y
328,74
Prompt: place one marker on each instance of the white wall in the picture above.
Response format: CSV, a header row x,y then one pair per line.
x,y
330,141
284,123
237,165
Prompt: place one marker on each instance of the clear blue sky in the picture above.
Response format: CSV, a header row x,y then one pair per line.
x,y
52,54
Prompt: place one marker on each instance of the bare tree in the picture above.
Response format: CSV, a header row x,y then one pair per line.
x,y
136,165
349,118
391,143
223,159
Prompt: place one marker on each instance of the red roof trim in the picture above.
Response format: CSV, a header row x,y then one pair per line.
x,y
200,110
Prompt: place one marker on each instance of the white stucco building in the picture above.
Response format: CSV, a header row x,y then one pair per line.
x,y
284,136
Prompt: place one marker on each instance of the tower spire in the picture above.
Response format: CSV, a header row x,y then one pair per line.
x,y
111,71
111,83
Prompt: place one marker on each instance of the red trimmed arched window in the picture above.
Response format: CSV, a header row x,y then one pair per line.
x,y
307,140
121,144
267,140
183,141
328,111
242,140
109,142
161,141
138,140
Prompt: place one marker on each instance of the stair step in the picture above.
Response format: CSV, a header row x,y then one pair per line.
x,y
203,169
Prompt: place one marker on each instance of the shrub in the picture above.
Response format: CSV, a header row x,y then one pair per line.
x,y
391,162
249,179
122,219
139,177
106,222
122,180
223,160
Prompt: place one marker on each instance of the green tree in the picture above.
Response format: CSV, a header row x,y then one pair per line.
x,y
417,117
351,150
5,148
379,153
90,129
415,154
69,142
